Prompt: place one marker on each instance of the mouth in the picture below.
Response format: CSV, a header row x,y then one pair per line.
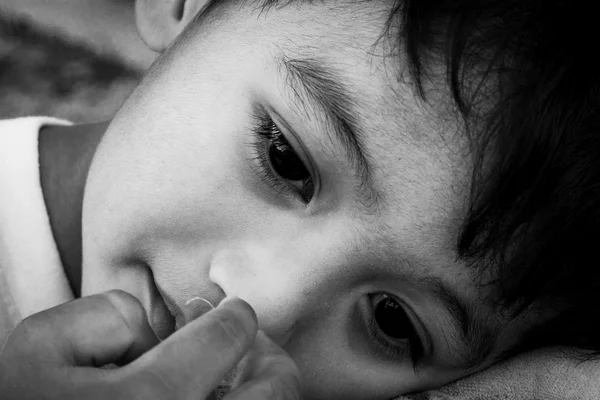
x,y
175,311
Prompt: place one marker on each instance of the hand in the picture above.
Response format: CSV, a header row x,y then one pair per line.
x,y
57,354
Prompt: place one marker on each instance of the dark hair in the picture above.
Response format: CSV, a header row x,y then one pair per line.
x,y
525,84
524,78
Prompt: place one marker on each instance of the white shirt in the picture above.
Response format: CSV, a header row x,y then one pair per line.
x,y
32,277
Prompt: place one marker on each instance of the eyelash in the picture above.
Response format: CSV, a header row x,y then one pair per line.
x,y
265,130
412,349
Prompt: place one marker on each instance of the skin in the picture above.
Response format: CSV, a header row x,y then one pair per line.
x,y
174,207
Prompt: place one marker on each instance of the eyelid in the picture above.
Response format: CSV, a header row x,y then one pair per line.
x,y
420,327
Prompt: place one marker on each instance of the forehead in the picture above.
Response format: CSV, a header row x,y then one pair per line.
x,y
417,154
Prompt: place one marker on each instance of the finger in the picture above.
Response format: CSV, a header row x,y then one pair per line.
x,y
107,328
265,389
270,373
194,359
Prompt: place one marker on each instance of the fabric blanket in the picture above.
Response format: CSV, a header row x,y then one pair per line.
x,y
546,374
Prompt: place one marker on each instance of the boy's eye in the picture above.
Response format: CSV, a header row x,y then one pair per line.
x,y
286,162
392,330
392,319
278,163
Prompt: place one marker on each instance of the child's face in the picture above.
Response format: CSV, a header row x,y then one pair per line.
x,y
177,202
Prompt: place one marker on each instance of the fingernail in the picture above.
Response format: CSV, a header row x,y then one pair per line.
x,y
228,299
240,305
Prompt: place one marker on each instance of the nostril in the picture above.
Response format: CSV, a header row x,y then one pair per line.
x,y
179,11
219,289
218,294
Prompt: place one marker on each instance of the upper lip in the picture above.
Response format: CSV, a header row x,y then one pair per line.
x,y
183,315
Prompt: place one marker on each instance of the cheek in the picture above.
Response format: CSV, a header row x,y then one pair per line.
x,y
167,177
170,165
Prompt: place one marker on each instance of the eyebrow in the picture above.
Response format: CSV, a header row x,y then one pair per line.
x,y
477,336
314,82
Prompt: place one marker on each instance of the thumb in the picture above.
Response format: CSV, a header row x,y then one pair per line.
x,y
107,328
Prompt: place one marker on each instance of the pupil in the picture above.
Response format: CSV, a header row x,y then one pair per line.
x,y
392,320
287,164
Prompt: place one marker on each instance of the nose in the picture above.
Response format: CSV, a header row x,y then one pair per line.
x,y
279,294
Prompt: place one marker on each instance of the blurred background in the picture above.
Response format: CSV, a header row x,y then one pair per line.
x,y
72,59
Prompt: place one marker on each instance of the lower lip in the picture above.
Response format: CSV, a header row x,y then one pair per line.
x,y
162,321
179,323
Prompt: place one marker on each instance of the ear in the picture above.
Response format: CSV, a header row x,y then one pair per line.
x,y
161,21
